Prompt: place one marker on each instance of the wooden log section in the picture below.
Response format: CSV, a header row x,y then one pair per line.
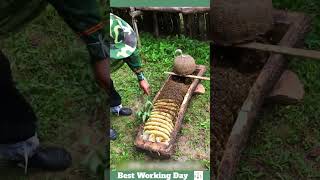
x,y
160,150
269,75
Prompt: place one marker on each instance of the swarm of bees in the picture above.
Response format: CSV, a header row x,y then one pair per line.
x,y
160,124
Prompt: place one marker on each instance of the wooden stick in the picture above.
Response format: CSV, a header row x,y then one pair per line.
x,y
135,26
282,50
183,10
190,76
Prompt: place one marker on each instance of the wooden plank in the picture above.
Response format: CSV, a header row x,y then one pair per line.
x,y
269,75
161,150
190,76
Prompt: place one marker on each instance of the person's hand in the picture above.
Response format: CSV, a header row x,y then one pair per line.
x,y
144,85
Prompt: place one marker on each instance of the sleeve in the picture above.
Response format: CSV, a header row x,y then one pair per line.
x,y
85,19
135,64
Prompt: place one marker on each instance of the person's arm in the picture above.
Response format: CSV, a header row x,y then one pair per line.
x,y
135,64
84,18
102,74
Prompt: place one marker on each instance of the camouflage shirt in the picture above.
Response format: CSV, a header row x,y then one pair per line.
x,y
84,17
123,44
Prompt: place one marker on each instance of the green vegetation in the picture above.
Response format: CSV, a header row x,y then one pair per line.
x,y
158,56
143,114
285,134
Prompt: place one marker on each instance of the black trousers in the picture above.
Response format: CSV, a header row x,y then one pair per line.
x,y
17,119
115,98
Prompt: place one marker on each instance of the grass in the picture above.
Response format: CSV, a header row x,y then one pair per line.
x,y
284,134
52,70
158,56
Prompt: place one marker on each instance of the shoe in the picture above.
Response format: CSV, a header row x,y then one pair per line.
x,y
123,112
50,158
113,135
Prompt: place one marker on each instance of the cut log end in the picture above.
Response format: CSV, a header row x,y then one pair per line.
x,y
199,89
288,90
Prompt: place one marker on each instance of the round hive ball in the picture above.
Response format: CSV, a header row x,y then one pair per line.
x,y
184,65
238,21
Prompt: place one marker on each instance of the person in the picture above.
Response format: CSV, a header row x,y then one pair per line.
x,y
18,123
123,49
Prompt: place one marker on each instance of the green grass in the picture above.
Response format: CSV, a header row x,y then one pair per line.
x,y
56,78
158,56
284,134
